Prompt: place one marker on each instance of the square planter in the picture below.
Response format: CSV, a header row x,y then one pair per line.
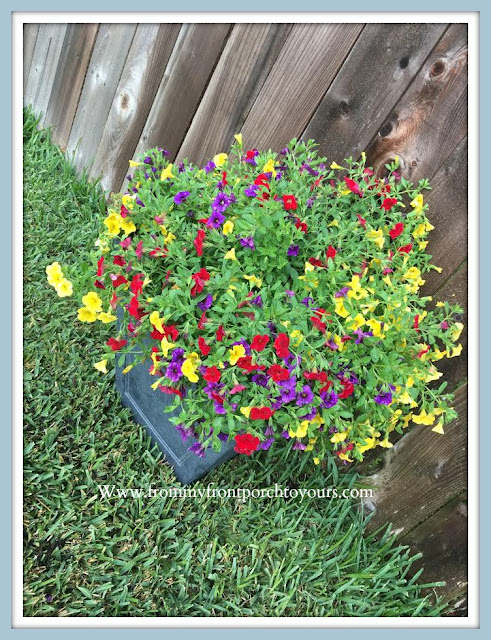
x,y
147,407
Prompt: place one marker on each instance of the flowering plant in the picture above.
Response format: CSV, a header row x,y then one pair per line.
x,y
274,300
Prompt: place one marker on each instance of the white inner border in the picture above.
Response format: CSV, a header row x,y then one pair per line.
x,y
18,19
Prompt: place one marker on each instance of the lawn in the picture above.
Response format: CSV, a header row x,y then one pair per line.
x,y
85,556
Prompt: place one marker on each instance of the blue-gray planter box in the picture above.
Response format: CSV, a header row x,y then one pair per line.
x,y
148,407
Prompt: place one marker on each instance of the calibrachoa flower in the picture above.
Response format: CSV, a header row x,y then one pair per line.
x,y
274,301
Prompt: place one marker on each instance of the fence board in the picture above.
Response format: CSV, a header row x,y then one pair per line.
x,y
423,471
310,59
147,59
182,86
247,58
29,43
431,119
356,104
106,65
448,213
69,79
45,60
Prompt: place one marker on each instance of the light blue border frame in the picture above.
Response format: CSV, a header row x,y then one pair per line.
x,y
255,6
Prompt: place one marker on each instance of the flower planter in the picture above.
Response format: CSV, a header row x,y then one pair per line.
x,y
147,407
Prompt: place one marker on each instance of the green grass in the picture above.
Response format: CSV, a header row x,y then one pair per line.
x,y
154,557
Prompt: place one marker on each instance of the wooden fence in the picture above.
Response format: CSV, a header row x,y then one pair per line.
x,y
112,90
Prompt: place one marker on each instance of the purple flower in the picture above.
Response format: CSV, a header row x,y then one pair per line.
x,y
342,293
293,250
329,399
206,303
173,372
284,151
269,431
181,168
209,166
219,408
266,444
383,398
312,172
221,202
287,395
305,396
251,158
272,328
332,345
216,219
248,242
285,434
299,445
184,432
309,416
139,202
198,449
178,355
308,301
181,196
310,202
361,335
250,191
223,437
289,293
257,301
260,379
148,160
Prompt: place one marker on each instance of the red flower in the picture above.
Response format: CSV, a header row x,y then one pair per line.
x,y
136,285
388,203
421,353
281,344
250,154
416,322
203,347
246,443
396,231
353,186
261,413
348,389
278,373
317,323
100,266
118,281
331,252
220,333
119,260
156,335
198,242
139,250
116,345
362,221
316,262
158,252
325,387
114,301
406,248
246,363
133,308
224,178
171,390
123,211
199,278
315,375
202,321
262,180
301,225
290,203
212,374
259,342
99,285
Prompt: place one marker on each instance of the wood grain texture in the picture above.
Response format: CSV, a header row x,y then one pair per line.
x,y
195,56
448,214
147,59
248,56
29,43
44,63
69,79
377,71
310,59
423,471
442,539
106,65
431,119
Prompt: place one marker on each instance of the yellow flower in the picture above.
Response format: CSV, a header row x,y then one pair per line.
x,y
227,228
438,428
238,137
300,431
166,346
370,444
456,351
440,304
167,172
377,236
269,168
189,369
316,461
230,255
101,366
455,331
220,159
417,203
246,411
412,274
113,225
54,273
358,321
64,288
106,317
356,291
128,201
345,457
424,418
438,355
375,326
92,301
297,336
127,226
385,443
128,369
255,282
340,309
335,165
157,321
236,353
308,267
405,398
86,315
339,437
132,163
433,374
